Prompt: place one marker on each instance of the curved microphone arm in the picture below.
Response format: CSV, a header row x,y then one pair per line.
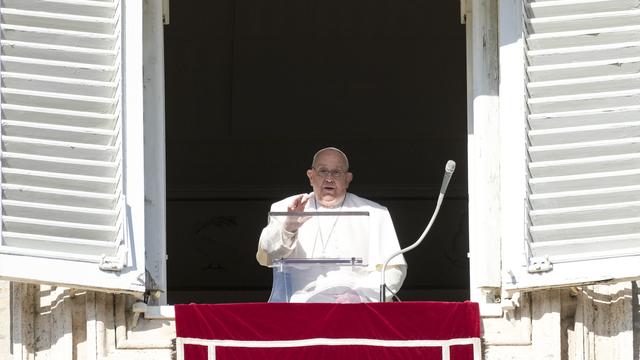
x,y
450,167
383,284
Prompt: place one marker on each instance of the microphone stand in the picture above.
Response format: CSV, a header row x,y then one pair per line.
x,y
450,167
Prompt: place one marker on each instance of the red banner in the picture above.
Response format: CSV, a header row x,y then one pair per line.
x,y
402,330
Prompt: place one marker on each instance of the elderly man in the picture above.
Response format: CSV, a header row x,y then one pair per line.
x,y
329,177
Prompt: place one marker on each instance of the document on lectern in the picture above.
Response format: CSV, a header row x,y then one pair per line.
x,y
329,261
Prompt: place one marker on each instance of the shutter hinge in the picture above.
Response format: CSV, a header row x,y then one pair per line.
x,y
540,265
111,264
114,263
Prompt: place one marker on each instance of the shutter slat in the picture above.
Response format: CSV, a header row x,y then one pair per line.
x,y
93,184
584,69
578,134
77,7
58,21
578,53
83,246
580,22
58,84
58,196
583,85
589,165
61,213
585,213
59,228
59,101
53,244
585,101
39,35
589,248
586,37
59,149
58,52
584,149
72,134
60,165
584,117
32,114
574,7
29,246
588,229
65,69
588,197
590,181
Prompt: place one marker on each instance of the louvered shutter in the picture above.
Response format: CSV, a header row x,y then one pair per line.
x,y
68,112
581,71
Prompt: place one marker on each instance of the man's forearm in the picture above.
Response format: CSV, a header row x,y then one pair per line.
x,y
277,242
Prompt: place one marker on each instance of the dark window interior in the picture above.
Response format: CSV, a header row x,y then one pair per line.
x,y
255,87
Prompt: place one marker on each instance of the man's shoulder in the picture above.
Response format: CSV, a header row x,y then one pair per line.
x,y
359,201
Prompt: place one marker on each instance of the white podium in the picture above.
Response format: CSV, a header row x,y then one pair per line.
x,y
329,270
319,280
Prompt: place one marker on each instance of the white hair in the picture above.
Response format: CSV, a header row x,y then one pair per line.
x,y
315,157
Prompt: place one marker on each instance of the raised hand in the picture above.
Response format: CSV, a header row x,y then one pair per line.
x,y
293,223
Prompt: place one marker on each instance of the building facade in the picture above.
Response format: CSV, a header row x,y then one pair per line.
x,y
554,236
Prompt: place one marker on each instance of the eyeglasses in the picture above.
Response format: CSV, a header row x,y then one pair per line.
x,y
336,174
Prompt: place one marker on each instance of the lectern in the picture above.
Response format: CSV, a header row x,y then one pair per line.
x,y
330,263
320,280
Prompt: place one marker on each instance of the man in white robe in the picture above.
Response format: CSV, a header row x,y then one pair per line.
x,y
296,237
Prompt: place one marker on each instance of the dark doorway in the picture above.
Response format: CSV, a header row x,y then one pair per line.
x,y
255,87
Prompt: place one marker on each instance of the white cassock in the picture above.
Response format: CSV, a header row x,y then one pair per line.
x,y
333,237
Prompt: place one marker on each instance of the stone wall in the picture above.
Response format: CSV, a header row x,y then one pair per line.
x,y
49,322
597,322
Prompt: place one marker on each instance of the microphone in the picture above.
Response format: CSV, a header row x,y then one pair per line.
x,y
448,172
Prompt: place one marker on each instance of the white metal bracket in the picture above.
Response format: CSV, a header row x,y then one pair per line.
x,y
111,264
115,263
163,312
540,265
510,301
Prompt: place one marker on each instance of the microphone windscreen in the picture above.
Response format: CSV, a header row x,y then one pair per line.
x,y
450,167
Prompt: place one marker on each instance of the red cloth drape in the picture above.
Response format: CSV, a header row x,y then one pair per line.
x,y
403,321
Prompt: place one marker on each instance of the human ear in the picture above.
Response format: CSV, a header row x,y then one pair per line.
x,y
310,176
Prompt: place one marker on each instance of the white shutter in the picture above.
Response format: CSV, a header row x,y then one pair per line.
x,y
66,114
582,100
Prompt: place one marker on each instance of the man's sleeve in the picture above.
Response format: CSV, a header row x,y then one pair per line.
x,y
386,243
275,242
388,239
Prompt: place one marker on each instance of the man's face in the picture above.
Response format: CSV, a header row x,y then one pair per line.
x,y
330,178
